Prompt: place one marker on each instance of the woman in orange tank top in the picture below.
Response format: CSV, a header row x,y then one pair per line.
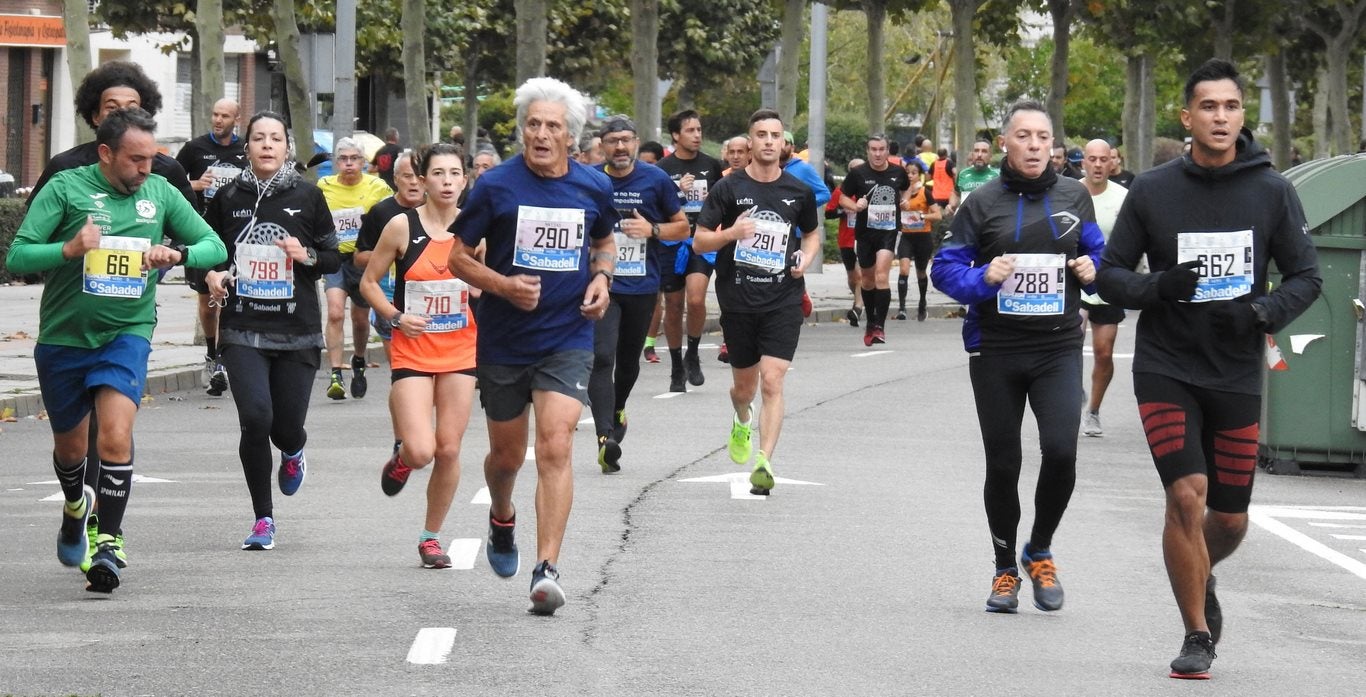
x,y
919,213
432,352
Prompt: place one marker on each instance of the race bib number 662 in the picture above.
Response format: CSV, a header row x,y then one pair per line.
x,y
1226,263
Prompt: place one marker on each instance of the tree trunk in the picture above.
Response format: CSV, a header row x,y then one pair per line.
x,y
876,10
76,21
199,111
1139,122
296,82
1281,128
1339,118
1147,115
1062,11
208,22
964,74
1321,135
532,25
1223,32
471,102
414,25
789,58
645,66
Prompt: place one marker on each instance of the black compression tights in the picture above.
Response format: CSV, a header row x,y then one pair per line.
x,y
618,339
271,390
1050,382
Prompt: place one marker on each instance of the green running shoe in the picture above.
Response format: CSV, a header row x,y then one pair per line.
x,y
762,476
741,440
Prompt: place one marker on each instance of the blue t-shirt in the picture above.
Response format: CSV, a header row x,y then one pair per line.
x,y
542,227
649,190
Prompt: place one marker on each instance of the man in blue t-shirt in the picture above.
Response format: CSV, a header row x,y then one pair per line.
x,y
547,225
647,201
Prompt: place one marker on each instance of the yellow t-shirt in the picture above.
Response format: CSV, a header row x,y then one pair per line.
x,y
349,203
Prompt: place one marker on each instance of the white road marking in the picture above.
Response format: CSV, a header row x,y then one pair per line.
x,y
669,395
1337,525
869,353
740,486
588,420
1354,538
1266,517
482,498
1087,351
463,552
136,478
432,645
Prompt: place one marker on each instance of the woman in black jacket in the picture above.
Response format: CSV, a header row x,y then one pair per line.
x,y
280,241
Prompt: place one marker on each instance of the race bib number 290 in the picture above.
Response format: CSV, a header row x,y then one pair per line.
x,y
1226,263
549,239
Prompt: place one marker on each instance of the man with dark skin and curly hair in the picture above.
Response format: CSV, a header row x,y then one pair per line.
x,y
112,86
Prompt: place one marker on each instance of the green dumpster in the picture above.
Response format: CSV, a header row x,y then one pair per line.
x,y
1314,403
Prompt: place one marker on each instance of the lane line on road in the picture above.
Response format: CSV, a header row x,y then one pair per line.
x,y
866,354
1266,518
482,498
1354,538
1337,525
669,395
463,552
432,645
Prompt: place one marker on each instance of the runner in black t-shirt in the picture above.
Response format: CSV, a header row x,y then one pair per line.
x,y
873,191
753,219
211,162
387,157
696,173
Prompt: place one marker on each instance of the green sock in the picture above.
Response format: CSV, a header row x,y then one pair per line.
x,y
427,535
650,342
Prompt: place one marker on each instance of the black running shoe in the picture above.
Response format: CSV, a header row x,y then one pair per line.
x,y
394,475
103,576
694,366
922,312
1214,615
546,594
678,379
218,381
359,385
609,455
501,547
1005,592
1197,653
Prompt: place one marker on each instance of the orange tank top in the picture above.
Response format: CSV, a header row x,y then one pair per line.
x,y
913,210
425,286
943,183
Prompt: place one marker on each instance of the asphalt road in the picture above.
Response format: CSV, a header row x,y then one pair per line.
x,y
867,580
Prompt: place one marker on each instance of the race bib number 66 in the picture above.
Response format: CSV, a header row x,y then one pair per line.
x,y
114,269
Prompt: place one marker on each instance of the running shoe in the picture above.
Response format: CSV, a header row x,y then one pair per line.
x,y
501,548
432,556
1090,424
724,354
678,380
262,535
1197,653
359,385
546,594
1214,615
1043,574
868,331
879,336
218,381
609,455
854,315
650,355
209,364
694,366
806,304
92,536
336,390
761,479
394,475
1005,591
922,312
741,440
120,551
72,543
293,469
103,576
619,426
901,314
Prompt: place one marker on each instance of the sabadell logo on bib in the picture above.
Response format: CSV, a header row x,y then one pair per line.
x,y
146,208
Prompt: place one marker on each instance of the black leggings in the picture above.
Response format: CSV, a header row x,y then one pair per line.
x,y
618,339
1051,382
271,390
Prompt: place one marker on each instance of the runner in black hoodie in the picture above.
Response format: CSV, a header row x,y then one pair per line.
x,y
1209,223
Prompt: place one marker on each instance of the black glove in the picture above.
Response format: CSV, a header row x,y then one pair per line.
x,y
1178,282
1234,318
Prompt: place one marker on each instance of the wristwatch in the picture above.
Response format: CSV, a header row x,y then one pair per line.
x,y
604,272
184,252
310,256
654,230
396,320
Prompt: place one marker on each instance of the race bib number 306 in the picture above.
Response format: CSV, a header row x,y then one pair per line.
x,y
549,239
1036,287
114,269
1225,263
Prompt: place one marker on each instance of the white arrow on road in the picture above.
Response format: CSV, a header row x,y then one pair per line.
x,y
739,484
1267,517
137,479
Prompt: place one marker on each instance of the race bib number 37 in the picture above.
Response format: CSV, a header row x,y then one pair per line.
x,y
1226,263
1036,287
549,239
114,269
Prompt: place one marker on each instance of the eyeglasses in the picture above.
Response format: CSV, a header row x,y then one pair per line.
x,y
617,140
351,158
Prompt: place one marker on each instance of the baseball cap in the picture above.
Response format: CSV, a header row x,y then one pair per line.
x,y
616,123
787,136
1074,156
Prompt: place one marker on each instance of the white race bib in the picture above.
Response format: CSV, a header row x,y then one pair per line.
x,y
1226,272
693,198
347,222
631,255
767,249
549,239
444,303
264,272
913,221
1037,286
114,269
222,176
882,216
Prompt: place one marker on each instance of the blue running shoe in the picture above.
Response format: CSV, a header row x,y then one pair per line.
x,y
293,468
501,548
546,594
262,535
1043,573
72,544
103,576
